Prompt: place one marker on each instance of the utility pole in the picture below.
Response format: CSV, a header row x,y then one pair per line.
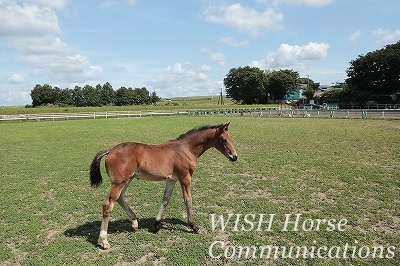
x,y
220,99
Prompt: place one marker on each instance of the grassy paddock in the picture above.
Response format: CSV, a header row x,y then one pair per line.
x,y
319,168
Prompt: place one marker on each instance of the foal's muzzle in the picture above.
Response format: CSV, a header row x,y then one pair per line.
x,y
232,158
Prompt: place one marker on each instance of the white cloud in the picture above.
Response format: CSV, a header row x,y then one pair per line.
x,y
8,97
294,56
183,79
205,68
244,19
311,2
354,37
32,31
218,58
48,44
16,79
180,72
299,2
385,37
50,57
232,41
62,68
27,20
59,4
109,3
131,2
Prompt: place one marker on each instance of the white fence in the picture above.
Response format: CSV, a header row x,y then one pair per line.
x,y
93,115
339,113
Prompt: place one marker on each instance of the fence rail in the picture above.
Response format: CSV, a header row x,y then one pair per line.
x,y
337,113
89,115
262,112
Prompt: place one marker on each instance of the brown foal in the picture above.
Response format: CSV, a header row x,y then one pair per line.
x,y
172,161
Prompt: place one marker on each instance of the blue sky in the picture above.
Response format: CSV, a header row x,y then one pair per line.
x,y
182,47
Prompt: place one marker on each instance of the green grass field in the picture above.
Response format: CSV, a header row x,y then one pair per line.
x,y
332,169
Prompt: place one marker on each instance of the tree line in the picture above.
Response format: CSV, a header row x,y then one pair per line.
x,y
101,95
371,77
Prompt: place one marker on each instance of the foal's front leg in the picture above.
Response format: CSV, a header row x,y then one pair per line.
x,y
187,197
167,196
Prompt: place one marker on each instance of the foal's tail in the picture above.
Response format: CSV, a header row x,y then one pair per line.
x,y
95,174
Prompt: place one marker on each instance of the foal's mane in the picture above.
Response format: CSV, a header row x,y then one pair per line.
x,y
195,130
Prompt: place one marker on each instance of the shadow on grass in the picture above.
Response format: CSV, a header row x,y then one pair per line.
x,y
91,230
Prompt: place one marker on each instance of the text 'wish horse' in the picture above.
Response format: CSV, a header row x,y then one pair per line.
x,y
172,161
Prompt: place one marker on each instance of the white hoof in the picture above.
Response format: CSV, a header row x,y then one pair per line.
x,y
104,244
135,224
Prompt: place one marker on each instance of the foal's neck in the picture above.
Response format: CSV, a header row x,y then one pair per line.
x,y
201,142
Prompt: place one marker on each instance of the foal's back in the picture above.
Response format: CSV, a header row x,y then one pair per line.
x,y
147,161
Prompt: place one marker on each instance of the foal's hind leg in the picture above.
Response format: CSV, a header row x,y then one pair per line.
x,y
108,205
121,201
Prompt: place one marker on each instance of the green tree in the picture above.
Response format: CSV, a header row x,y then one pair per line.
x,y
107,94
339,94
65,97
42,95
310,89
246,85
376,73
309,92
154,98
282,82
77,97
91,96
141,96
123,96
57,92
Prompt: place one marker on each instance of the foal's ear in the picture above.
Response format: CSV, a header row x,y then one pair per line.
x,y
223,128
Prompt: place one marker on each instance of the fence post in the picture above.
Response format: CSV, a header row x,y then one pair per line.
x,y
364,115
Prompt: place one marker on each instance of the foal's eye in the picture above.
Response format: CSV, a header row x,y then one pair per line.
x,y
224,141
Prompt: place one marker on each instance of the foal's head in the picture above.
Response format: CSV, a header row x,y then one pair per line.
x,y
224,143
